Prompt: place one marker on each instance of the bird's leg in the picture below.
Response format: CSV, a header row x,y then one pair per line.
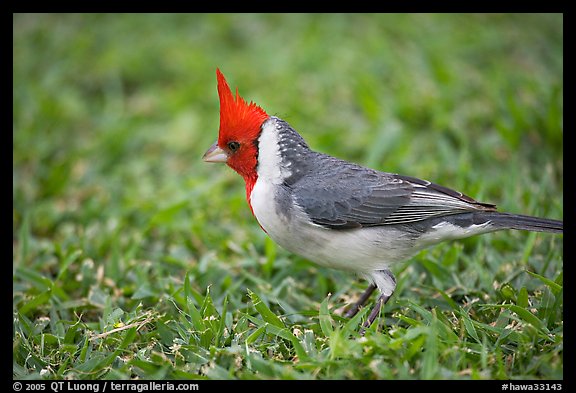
x,y
382,299
356,306
386,283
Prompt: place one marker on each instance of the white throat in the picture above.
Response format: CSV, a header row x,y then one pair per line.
x,y
270,167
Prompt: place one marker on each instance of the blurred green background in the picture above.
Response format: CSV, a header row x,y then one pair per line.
x,y
112,203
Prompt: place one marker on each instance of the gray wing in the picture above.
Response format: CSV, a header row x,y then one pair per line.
x,y
343,195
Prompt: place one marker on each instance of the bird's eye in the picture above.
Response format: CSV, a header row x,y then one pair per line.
x,y
233,146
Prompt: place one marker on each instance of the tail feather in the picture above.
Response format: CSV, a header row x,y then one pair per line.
x,y
524,223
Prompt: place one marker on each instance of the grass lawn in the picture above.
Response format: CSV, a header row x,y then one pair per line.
x,y
134,259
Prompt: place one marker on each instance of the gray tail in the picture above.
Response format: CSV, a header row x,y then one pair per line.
x,y
524,223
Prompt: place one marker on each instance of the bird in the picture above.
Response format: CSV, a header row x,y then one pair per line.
x,y
339,214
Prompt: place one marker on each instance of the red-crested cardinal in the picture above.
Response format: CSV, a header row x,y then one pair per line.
x,y
339,214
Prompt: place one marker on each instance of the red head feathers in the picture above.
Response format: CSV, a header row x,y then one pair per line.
x,y
240,127
238,119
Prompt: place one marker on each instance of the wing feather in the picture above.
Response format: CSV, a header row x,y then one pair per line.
x,y
343,195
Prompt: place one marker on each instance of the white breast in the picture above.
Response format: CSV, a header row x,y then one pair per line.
x,y
269,158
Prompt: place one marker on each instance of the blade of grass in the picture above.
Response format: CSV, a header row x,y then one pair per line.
x,y
264,311
36,301
522,300
222,324
468,325
554,287
197,321
281,332
430,357
325,319
524,314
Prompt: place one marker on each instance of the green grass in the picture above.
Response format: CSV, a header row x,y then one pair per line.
x,y
134,259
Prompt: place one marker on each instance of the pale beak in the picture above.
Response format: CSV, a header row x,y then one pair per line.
x,y
215,154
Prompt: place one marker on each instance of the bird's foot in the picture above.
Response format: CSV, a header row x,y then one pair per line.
x,y
382,299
